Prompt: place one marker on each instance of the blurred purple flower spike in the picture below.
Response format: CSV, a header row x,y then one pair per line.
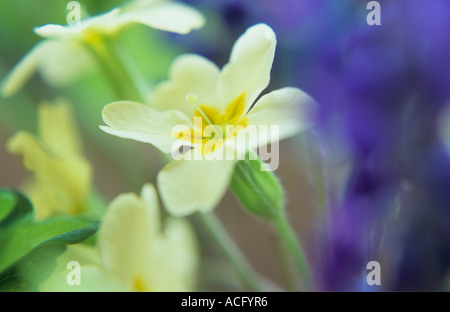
x,y
392,81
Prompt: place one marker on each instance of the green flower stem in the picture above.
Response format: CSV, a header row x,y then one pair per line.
x,y
288,268
292,244
231,251
104,50
261,194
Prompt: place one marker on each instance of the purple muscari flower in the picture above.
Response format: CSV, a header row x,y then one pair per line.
x,y
389,91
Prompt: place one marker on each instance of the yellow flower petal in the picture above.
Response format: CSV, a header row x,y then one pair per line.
x,y
127,233
47,58
174,258
250,64
187,186
165,15
141,257
189,73
23,71
62,177
68,177
136,254
46,200
162,15
289,109
103,23
140,122
57,129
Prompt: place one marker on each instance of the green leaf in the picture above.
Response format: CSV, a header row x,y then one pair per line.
x,y
17,241
259,191
14,206
7,202
31,270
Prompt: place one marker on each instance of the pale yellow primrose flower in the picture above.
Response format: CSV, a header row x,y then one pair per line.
x,y
62,57
62,176
136,253
197,88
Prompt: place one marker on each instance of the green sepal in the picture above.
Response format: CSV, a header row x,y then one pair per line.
x,y
260,192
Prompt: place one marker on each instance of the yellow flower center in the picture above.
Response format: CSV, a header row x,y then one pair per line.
x,y
139,285
210,124
92,38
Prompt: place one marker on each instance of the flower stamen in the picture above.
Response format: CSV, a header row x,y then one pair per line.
x,y
192,99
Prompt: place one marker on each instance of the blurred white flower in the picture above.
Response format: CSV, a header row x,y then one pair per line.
x,y
62,57
136,252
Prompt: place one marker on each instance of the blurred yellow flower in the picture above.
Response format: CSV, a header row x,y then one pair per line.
x,y
221,100
63,56
136,252
62,177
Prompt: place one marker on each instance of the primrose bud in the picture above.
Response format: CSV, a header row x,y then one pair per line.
x,y
259,191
